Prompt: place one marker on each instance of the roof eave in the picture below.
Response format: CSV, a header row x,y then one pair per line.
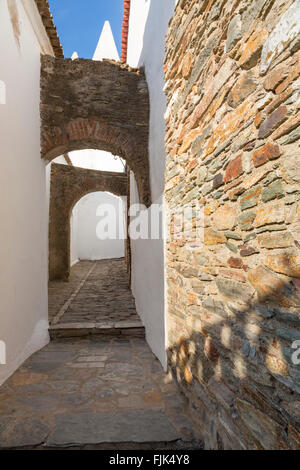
x,y
47,19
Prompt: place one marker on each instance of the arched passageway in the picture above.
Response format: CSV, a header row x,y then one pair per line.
x,y
100,105
68,186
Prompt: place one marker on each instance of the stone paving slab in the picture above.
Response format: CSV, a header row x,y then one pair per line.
x,y
15,433
136,426
92,391
68,330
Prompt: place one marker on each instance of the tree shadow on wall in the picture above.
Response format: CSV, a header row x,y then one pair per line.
x,y
235,366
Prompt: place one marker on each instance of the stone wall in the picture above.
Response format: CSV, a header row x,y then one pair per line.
x,y
233,124
102,105
68,185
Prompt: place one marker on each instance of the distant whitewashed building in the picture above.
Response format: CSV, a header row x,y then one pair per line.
x,y
106,47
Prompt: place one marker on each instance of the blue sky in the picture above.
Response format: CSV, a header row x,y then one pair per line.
x,y
79,23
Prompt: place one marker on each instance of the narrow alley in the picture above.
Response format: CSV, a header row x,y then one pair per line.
x,y
150,225
104,390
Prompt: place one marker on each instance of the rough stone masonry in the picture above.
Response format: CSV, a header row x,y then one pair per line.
x,y
233,127
102,105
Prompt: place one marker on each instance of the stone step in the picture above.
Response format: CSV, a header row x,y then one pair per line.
x,y
121,328
138,429
178,445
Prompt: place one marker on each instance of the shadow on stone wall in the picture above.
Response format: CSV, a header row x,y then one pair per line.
x,y
238,374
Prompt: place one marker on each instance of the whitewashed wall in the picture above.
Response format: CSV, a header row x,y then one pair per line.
x,y
147,28
89,245
23,201
74,236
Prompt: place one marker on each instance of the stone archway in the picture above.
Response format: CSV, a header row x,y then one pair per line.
x,y
97,105
68,186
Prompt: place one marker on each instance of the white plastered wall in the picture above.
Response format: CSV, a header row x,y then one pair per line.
x,y
23,201
100,226
74,236
146,47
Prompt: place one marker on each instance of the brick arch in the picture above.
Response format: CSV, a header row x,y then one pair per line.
x,y
68,186
81,134
102,105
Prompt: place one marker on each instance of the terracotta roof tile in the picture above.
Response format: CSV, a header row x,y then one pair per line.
x,y
125,30
47,19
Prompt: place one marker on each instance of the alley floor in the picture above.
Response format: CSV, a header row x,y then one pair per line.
x,y
94,391
97,297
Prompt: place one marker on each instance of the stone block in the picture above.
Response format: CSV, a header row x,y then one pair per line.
x,y
272,122
229,125
234,32
188,140
248,250
273,191
218,82
290,167
246,220
272,213
250,198
242,89
256,177
288,264
224,218
292,76
186,65
234,169
287,127
234,290
218,181
267,152
287,29
264,429
232,274
276,240
235,262
292,137
251,50
211,237
275,77
264,282
231,247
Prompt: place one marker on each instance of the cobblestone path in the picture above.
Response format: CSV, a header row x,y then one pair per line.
x,y
97,297
59,292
